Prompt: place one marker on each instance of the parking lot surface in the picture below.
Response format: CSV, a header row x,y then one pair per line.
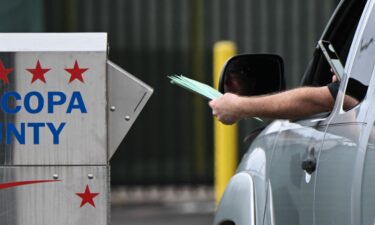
x,y
186,213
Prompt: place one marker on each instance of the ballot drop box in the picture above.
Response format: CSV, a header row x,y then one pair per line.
x,y
65,108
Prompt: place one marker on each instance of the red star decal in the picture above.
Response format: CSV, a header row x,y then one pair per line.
x,y
87,197
76,72
38,73
4,72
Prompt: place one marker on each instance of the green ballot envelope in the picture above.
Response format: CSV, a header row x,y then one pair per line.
x,y
198,88
195,86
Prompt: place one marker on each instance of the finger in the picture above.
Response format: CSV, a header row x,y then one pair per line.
x,y
334,78
226,121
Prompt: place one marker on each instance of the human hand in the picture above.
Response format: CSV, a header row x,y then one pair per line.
x,y
334,76
226,108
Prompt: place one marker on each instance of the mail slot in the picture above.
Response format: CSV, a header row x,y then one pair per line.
x,y
65,108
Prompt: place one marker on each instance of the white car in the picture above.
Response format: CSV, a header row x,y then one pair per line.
x,y
318,170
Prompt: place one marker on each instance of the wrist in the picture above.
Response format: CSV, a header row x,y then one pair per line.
x,y
246,107
240,105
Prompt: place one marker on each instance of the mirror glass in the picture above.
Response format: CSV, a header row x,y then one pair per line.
x,y
249,75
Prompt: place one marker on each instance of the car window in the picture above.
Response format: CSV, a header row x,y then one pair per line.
x,y
339,33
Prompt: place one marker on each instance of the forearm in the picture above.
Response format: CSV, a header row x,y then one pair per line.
x,y
295,103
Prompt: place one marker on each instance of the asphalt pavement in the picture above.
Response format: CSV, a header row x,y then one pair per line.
x,y
181,213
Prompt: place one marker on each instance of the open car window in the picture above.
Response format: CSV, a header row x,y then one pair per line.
x,y
339,33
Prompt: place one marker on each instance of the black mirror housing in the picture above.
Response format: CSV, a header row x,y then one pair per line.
x,y
253,74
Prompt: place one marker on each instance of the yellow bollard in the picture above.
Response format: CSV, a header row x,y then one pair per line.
x,y
225,137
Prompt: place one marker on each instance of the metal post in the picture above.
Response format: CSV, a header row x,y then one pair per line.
x,y
225,137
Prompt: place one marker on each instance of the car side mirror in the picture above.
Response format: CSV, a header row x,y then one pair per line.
x,y
253,74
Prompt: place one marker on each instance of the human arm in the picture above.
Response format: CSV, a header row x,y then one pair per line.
x,y
292,104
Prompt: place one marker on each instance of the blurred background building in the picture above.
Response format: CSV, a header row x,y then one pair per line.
x,y
171,142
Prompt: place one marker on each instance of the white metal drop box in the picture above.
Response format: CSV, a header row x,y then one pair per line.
x,y
65,108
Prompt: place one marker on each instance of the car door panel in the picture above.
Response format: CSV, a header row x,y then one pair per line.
x,y
292,187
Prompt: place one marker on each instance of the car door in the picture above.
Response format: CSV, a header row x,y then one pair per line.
x,y
341,159
366,200
290,187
